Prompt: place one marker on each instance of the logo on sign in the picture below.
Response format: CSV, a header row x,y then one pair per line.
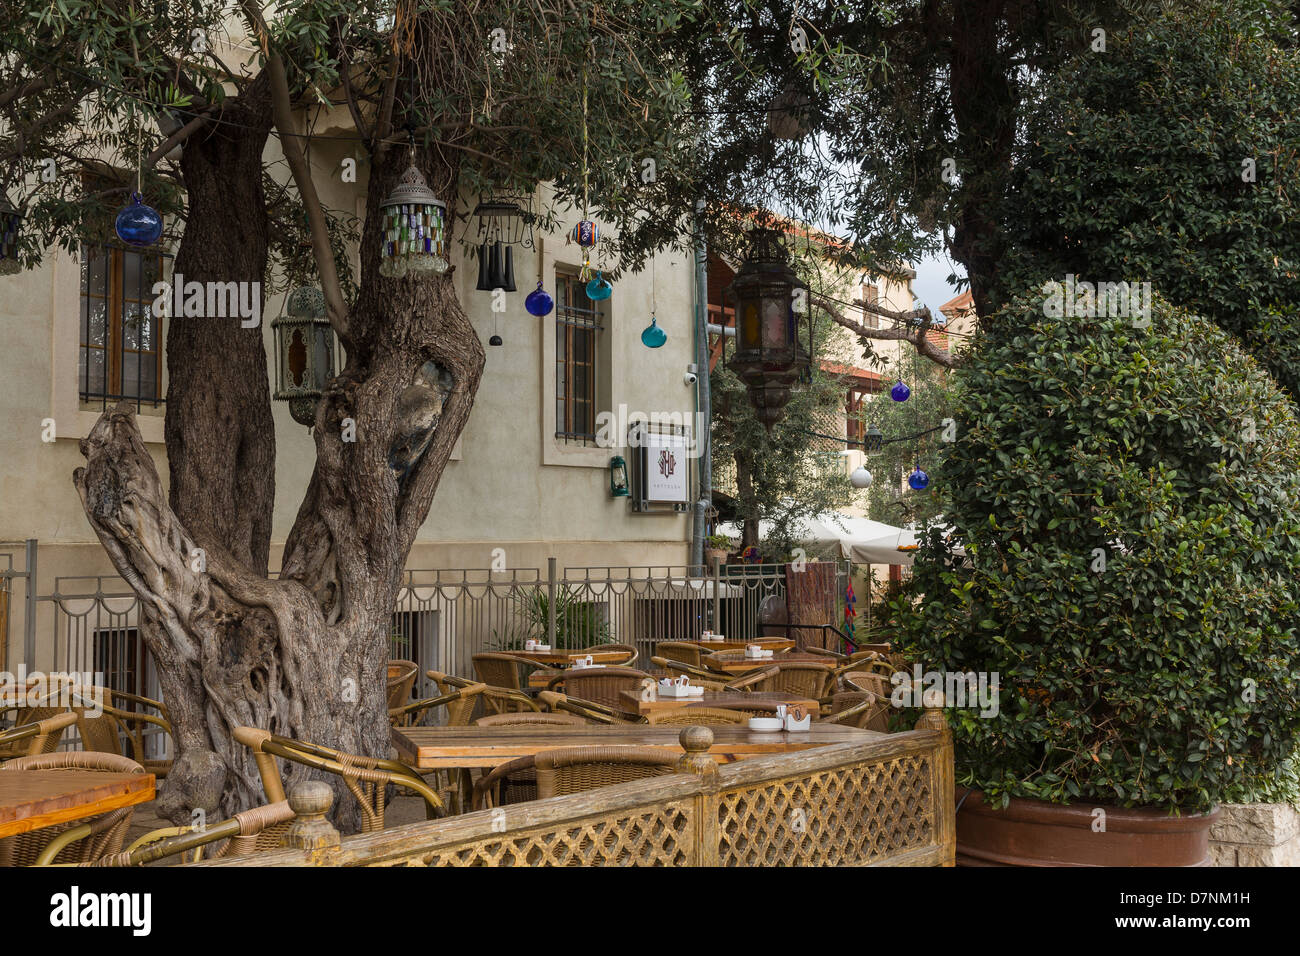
x,y
667,463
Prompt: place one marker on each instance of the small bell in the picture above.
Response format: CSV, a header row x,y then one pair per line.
x,y
495,340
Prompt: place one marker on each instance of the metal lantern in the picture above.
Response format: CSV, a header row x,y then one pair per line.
x,y
768,356
414,226
618,482
873,439
10,222
304,353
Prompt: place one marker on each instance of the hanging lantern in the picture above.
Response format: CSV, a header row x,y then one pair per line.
x,y
861,478
414,230
539,301
599,288
918,480
138,224
900,392
11,221
586,233
305,353
768,357
873,439
618,486
653,337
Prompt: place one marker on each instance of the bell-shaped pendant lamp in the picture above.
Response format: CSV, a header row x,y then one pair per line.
x,y
539,301
861,478
484,276
414,230
138,224
653,337
599,288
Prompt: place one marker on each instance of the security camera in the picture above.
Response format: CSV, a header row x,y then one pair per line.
x,y
690,378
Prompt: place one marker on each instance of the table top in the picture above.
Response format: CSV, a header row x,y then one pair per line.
x,y
735,661
428,748
564,658
31,799
635,704
736,644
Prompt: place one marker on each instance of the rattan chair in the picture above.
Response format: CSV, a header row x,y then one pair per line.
x,y
590,711
876,683
600,685
745,704
366,778
401,679
576,769
495,700
250,831
813,681
861,709
683,652
459,702
531,720
690,715
74,841
501,669
630,653
38,737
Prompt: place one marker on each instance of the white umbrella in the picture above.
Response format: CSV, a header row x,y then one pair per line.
x,y
861,540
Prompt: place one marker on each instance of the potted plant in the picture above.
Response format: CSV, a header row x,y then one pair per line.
x,y
1127,500
716,548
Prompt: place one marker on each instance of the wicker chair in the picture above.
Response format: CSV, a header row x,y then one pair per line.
x,y
689,715
813,681
366,778
600,685
745,704
401,679
501,670
250,831
576,769
38,737
872,681
628,650
74,841
590,711
496,700
682,652
459,702
861,709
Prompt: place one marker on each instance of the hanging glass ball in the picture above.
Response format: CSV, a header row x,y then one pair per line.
x,y
495,340
900,392
138,224
861,478
599,289
652,337
539,301
586,233
918,480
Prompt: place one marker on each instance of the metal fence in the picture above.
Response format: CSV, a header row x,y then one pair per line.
x,y
441,617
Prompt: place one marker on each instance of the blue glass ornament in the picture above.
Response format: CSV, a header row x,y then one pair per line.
x,y
138,224
918,480
652,337
599,289
539,301
585,233
900,392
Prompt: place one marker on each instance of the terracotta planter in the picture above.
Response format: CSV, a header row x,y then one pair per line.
x,y
1035,833
715,556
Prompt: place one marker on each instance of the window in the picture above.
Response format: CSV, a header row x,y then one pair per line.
x,y
856,428
413,636
871,296
121,354
577,351
127,665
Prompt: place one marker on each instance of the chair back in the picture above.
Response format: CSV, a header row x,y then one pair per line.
x,y
401,680
500,670
628,651
691,715
682,651
103,834
804,679
857,706
35,737
575,769
601,685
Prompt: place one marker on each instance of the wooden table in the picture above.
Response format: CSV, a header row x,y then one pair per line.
x,y
735,644
31,799
429,748
734,662
635,705
565,658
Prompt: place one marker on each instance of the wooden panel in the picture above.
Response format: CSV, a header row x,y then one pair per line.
x,y
427,748
31,799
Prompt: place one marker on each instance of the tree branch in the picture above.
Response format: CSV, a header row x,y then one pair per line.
x,y
905,333
182,134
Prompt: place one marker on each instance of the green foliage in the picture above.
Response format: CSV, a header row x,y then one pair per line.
x,y
1169,676
578,623
1133,170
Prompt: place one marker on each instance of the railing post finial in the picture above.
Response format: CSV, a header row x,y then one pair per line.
x,y
310,830
696,741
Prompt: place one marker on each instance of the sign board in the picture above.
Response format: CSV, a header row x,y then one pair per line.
x,y
661,469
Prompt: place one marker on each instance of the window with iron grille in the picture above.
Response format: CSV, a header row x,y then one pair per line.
x,y
577,360
121,338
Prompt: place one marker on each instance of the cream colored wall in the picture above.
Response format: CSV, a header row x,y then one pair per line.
x,y
510,485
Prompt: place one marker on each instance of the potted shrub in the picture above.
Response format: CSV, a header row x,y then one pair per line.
x,y
716,549
1127,500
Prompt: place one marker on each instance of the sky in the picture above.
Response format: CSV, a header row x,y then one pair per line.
x,y
931,285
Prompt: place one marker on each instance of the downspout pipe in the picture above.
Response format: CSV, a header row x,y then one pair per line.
x,y
703,398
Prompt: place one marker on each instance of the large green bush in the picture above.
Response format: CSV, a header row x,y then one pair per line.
x,y
1168,677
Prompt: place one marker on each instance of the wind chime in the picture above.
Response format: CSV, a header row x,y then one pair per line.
x,y
11,221
414,224
587,233
138,224
502,225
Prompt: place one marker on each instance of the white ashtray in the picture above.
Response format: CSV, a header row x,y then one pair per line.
x,y
765,725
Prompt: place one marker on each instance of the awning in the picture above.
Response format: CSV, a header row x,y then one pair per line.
x,y
860,540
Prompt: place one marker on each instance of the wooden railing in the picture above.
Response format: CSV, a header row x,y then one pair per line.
x,y
886,801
